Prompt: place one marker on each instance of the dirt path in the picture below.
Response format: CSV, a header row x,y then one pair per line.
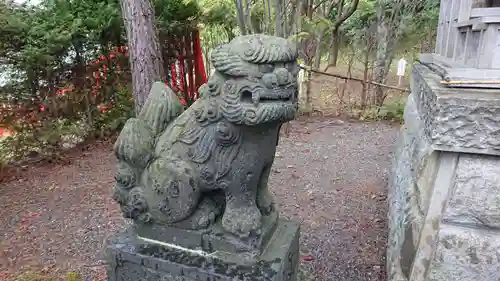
x,y
329,176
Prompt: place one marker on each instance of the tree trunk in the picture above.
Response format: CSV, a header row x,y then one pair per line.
x,y
278,10
79,67
379,74
240,16
291,24
334,48
344,86
317,54
390,29
298,17
144,48
32,81
269,16
364,92
251,28
310,10
341,18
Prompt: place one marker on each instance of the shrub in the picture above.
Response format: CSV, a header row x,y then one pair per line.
x,y
37,276
46,138
391,111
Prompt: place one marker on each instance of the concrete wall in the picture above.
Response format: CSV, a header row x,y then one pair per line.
x,y
444,191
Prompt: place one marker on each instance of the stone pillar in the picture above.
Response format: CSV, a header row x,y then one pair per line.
x,y
444,191
194,181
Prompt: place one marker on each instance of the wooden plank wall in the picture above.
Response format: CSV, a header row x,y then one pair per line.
x,y
450,13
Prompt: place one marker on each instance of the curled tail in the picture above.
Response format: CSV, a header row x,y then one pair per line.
x,y
135,145
161,107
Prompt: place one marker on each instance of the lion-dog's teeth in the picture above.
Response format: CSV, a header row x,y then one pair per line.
x,y
255,98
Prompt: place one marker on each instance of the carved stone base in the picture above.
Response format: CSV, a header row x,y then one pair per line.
x,y
131,258
213,239
444,216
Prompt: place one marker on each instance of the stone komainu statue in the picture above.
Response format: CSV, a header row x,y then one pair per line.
x,y
186,168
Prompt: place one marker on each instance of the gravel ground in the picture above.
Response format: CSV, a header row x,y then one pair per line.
x,y
329,175
332,177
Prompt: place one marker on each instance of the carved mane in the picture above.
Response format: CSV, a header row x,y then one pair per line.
x,y
214,142
215,145
235,57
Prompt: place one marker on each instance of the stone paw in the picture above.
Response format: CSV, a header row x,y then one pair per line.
x,y
242,221
267,209
265,202
204,216
207,213
206,220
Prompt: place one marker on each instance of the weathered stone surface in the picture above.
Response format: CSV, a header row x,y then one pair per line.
x,y
132,260
212,239
459,120
412,178
466,254
476,196
443,191
194,181
425,99
186,169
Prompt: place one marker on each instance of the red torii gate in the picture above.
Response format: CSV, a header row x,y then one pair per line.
x,y
187,61
196,68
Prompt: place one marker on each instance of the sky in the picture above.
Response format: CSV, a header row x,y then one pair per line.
x,y
33,2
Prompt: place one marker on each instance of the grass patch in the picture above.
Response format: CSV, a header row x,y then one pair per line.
x,y
38,276
392,111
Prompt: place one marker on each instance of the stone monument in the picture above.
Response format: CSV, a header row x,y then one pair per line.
x,y
444,192
194,181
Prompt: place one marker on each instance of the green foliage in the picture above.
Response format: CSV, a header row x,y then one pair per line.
x,y
218,23
73,276
32,276
114,119
47,138
66,44
418,24
424,21
362,19
178,12
219,12
391,111
54,46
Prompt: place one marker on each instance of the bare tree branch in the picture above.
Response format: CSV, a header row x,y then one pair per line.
x,y
343,17
332,4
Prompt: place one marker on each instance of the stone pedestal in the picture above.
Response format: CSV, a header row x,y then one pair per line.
x,y
444,192
132,258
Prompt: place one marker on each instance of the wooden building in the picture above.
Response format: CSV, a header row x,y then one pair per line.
x,y
468,32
